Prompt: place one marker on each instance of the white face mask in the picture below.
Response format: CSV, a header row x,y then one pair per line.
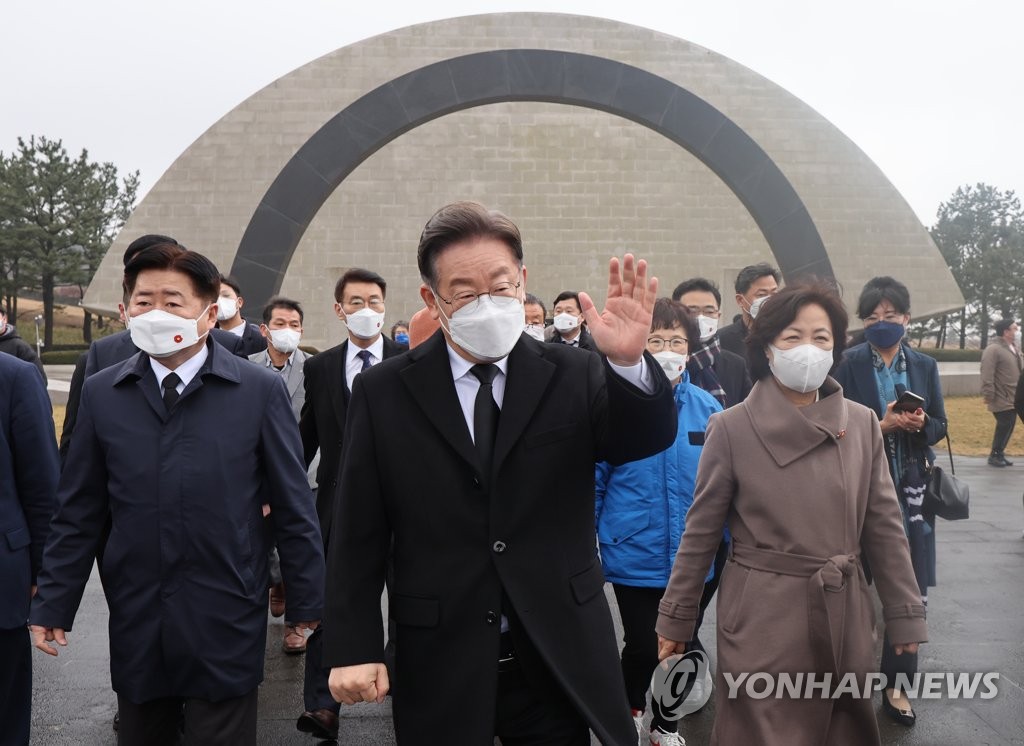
x,y
489,331
285,341
565,322
755,307
536,331
365,323
708,327
802,368
1016,339
161,334
226,308
672,363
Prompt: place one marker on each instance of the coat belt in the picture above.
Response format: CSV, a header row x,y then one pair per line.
x,y
829,581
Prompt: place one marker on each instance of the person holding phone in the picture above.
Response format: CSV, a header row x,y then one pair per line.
x,y
902,386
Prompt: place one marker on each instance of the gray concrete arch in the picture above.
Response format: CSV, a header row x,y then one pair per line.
x,y
380,116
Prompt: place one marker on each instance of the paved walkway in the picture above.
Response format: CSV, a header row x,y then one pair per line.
x,y
976,625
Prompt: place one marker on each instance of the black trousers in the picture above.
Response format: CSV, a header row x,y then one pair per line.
x,y
532,710
893,664
710,588
638,609
1005,422
230,722
15,686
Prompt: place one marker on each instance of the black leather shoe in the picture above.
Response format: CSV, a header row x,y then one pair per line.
x,y
996,461
322,724
1005,462
903,717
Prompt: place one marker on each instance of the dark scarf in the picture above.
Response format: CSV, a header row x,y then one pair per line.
x,y
701,366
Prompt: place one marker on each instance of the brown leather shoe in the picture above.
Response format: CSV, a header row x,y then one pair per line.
x,y
294,640
277,600
320,723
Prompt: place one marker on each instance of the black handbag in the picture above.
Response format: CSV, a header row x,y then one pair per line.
x,y
944,494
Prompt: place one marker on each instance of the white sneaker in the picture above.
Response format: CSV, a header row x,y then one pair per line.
x,y
661,738
641,729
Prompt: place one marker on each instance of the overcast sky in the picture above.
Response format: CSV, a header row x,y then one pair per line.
x,y
931,91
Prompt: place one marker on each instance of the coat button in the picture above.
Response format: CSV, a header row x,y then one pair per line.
x,y
476,481
499,547
491,618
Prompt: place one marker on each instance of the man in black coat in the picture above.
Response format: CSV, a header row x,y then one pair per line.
x,y
185,566
754,285
503,626
568,325
359,294
229,318
11,343
721,373
28,489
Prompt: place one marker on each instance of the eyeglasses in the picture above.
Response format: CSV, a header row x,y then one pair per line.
x,y
501,294
358,304
676,344
710,311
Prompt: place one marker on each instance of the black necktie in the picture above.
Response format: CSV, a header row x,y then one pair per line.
x,y
485,417
170,385
366,356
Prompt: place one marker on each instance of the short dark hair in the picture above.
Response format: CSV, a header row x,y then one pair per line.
x,y
753,272
779,312
357,274
568,295
201,271
280,302
668,314
231,282
1002,325
532,299
459,222
878,289
700,284
144,242
398,324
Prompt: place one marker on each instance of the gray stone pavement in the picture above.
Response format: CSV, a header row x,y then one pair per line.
x,y
976,621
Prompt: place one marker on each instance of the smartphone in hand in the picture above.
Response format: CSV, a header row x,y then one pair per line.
x,y
908,401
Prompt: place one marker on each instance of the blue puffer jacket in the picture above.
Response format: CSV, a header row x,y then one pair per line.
x,y
641,506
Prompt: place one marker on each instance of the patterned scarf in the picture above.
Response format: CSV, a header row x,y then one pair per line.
x,y
701,366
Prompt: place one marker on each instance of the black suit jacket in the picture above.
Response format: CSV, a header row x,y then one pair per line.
x,y
108,351
461,552
732,338
734,376
322,420
586,342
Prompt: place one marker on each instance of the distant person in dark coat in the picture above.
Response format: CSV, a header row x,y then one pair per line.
x,y
185,565
568,326
14,345
28,489
754,284
229,318
721,373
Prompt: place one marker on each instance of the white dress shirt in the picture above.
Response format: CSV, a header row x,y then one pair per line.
x,y
186,371
354,363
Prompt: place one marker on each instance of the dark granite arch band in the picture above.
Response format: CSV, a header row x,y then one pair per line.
x,y
459,83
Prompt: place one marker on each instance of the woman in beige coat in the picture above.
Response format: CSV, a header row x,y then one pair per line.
x,y
799,475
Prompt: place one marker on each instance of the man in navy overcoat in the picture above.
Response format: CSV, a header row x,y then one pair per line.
x,y
176,444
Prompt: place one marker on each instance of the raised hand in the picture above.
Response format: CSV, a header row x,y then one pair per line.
x,y
620,331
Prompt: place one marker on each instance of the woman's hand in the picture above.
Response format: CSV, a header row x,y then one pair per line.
x,y
668,648
909,648
897,421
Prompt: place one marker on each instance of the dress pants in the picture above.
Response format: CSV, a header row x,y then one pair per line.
x,y
532,710
316,694
638,609
15,686
1005,422
230,722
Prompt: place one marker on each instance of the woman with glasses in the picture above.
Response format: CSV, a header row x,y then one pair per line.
x,y
874,374
641,515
